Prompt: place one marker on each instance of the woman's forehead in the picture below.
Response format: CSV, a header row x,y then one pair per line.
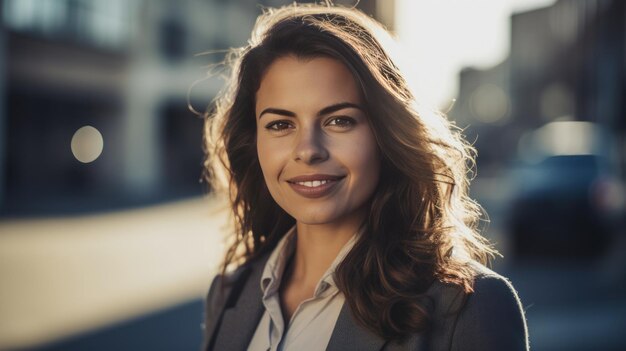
x,y
295,80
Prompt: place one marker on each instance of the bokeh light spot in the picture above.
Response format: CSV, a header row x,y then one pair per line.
x,y
87,144
489,103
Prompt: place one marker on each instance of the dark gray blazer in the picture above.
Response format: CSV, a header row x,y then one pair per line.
x,y
489,319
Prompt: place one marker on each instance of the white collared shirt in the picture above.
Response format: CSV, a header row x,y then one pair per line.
x,y
313,321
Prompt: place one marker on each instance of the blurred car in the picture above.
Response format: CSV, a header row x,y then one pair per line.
x,y
566,205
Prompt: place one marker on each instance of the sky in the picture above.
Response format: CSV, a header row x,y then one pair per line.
x,y
440,37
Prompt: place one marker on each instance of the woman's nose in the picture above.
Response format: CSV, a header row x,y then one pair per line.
x,y
310,146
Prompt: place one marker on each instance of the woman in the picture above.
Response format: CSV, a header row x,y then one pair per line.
x,y
353,228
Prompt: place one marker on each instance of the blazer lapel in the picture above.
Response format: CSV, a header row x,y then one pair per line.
x,y
348,335
239,322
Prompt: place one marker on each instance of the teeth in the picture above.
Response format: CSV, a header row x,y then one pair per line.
x,y
313,184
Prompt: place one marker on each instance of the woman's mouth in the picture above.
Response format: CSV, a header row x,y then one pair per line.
x,y
315,188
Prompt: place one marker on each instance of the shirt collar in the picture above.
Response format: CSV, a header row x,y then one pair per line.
x,y
328,275
275,265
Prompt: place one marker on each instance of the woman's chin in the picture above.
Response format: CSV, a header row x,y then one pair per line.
x,y
326,216
315,218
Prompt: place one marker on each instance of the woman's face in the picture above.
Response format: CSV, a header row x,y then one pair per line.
x,y
317,151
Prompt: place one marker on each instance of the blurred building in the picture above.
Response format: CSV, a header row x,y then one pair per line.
x,y
125,69
566,63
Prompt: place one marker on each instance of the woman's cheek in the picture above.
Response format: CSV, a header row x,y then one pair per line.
x,y
271,158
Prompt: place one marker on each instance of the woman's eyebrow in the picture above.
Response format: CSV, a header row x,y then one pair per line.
x,y
277,111
326,110
337,107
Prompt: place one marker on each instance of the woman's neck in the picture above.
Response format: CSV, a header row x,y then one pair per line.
x,y
317,247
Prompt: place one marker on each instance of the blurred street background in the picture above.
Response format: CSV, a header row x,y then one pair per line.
x,y
109,239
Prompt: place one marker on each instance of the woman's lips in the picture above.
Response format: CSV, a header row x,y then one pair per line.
x,y
315,191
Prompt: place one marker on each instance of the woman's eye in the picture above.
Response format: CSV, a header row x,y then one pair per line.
x,y
278,125
341,122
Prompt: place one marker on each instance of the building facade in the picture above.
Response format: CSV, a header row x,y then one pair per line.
x,y
124,68
566,62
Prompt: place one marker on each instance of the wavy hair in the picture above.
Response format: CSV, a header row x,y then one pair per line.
x,y
421,227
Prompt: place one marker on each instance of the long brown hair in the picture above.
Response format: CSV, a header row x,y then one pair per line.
x,y
421,226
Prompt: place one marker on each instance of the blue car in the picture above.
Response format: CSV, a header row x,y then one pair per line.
x,y
565,206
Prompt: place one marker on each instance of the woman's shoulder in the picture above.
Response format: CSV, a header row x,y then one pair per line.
x,y
224,292
491,288
489,318
219,291
487,285
224,282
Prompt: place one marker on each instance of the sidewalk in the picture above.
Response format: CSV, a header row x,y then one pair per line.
x,y
62,276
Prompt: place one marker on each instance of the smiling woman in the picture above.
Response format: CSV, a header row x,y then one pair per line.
x,y
352,225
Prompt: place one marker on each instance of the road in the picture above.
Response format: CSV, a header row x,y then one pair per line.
x,y
64,276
